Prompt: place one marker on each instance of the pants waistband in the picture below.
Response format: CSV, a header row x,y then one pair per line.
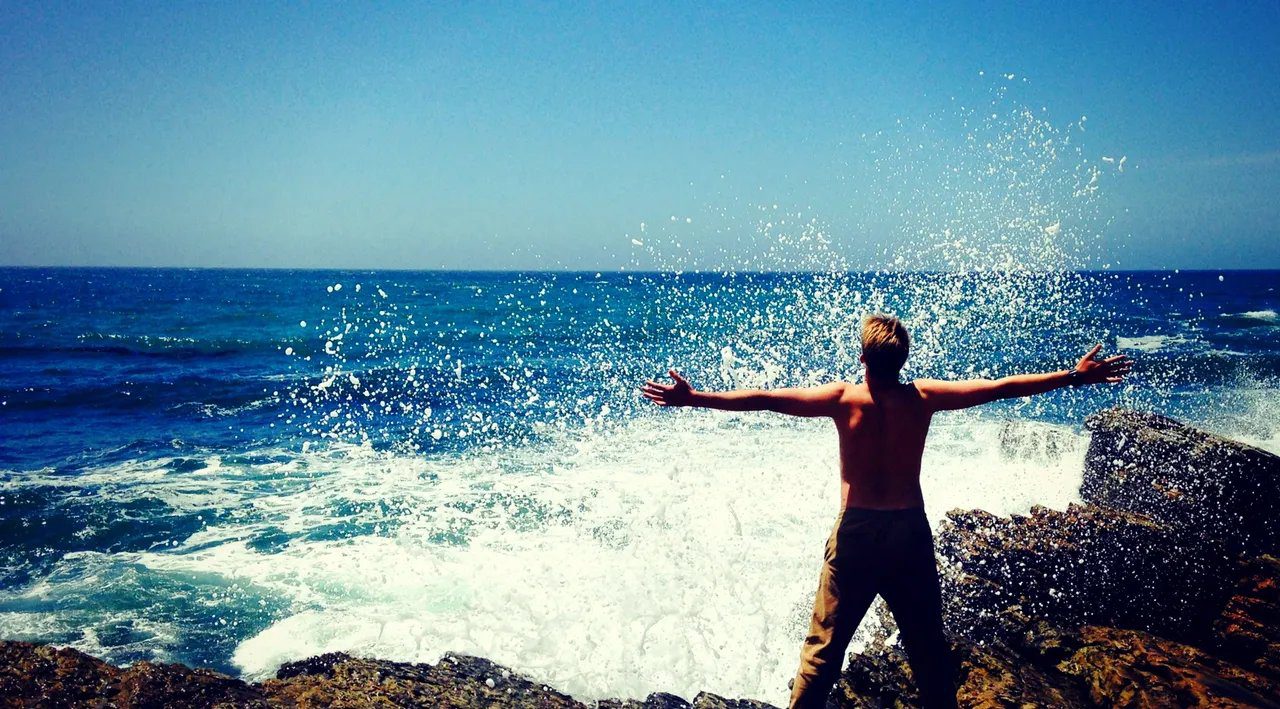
x,y
869,513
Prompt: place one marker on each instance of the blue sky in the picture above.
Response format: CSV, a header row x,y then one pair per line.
x,y
538,135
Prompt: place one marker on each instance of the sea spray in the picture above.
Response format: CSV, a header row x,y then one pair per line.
x,y
270,466
555,523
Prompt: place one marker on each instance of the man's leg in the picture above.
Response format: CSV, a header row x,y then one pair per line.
x,y
843,598
914,596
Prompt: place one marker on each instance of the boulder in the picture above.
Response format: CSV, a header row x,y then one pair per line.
x,y
1087,564
876,678
39,675
339,680
1226,492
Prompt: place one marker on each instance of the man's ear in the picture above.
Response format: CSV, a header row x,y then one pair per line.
x,y
862,358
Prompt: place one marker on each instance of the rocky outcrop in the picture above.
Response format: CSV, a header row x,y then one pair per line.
x,y
1225,491
39,675
1086,564
339,680
1163,589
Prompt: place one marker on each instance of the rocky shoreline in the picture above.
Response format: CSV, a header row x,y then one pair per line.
x,y
1162,589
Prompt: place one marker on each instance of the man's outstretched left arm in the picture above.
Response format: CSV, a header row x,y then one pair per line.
x,y
798,401
947,396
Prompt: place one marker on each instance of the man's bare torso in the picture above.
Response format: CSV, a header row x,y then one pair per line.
x,y
882,429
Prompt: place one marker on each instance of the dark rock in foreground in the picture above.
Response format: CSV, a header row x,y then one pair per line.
x,y
339,680
39,675
1248,630
1162,590
1185,478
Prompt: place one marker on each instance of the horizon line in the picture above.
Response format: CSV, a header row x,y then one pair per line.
x,y
622,270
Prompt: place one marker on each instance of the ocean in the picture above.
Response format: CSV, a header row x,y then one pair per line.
x,y
238,468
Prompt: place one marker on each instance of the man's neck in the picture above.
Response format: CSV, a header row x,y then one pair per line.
x,y
879,382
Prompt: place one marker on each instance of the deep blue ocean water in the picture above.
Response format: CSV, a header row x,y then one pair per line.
x,y
235,468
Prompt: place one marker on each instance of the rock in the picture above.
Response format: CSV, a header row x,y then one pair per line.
x,y
657,700
1129,668
29,673
1226,491
876,678
663,700
707,700
990,675
1094,666
1248,630
145,684
995,676
39,675
1086,564
339,680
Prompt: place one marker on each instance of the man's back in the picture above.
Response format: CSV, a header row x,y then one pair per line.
x,y
882,430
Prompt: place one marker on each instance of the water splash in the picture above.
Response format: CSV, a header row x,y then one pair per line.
x,y
534,510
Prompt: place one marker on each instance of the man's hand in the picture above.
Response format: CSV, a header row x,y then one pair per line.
x,y
1096,371
678,394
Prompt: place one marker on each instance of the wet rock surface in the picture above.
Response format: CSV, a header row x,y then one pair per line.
x,y
1248,630
1163,589
1184,478
39,675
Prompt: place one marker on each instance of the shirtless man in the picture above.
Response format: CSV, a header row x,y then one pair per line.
x,y
882,543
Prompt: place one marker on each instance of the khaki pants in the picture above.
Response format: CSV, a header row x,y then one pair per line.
x,y
885,552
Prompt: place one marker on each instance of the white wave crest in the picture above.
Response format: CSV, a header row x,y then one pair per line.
x,y
1265,316
1149,343
676,553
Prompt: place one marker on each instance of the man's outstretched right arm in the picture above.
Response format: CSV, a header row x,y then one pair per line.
x,y
946,396
802,401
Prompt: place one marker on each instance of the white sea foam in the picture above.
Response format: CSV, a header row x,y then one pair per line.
x,y
1265,316
673,553
1149,343
676,552
1250,412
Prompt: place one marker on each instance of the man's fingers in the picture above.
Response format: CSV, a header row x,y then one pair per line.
x,y
1117,358
676,376
650,384
1094,352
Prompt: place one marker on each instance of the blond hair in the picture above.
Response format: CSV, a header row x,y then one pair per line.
x,y
885,343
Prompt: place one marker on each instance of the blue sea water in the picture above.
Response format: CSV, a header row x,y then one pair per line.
x,y
236,468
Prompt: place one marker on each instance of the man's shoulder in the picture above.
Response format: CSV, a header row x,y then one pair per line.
x,y
924,384
849,391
